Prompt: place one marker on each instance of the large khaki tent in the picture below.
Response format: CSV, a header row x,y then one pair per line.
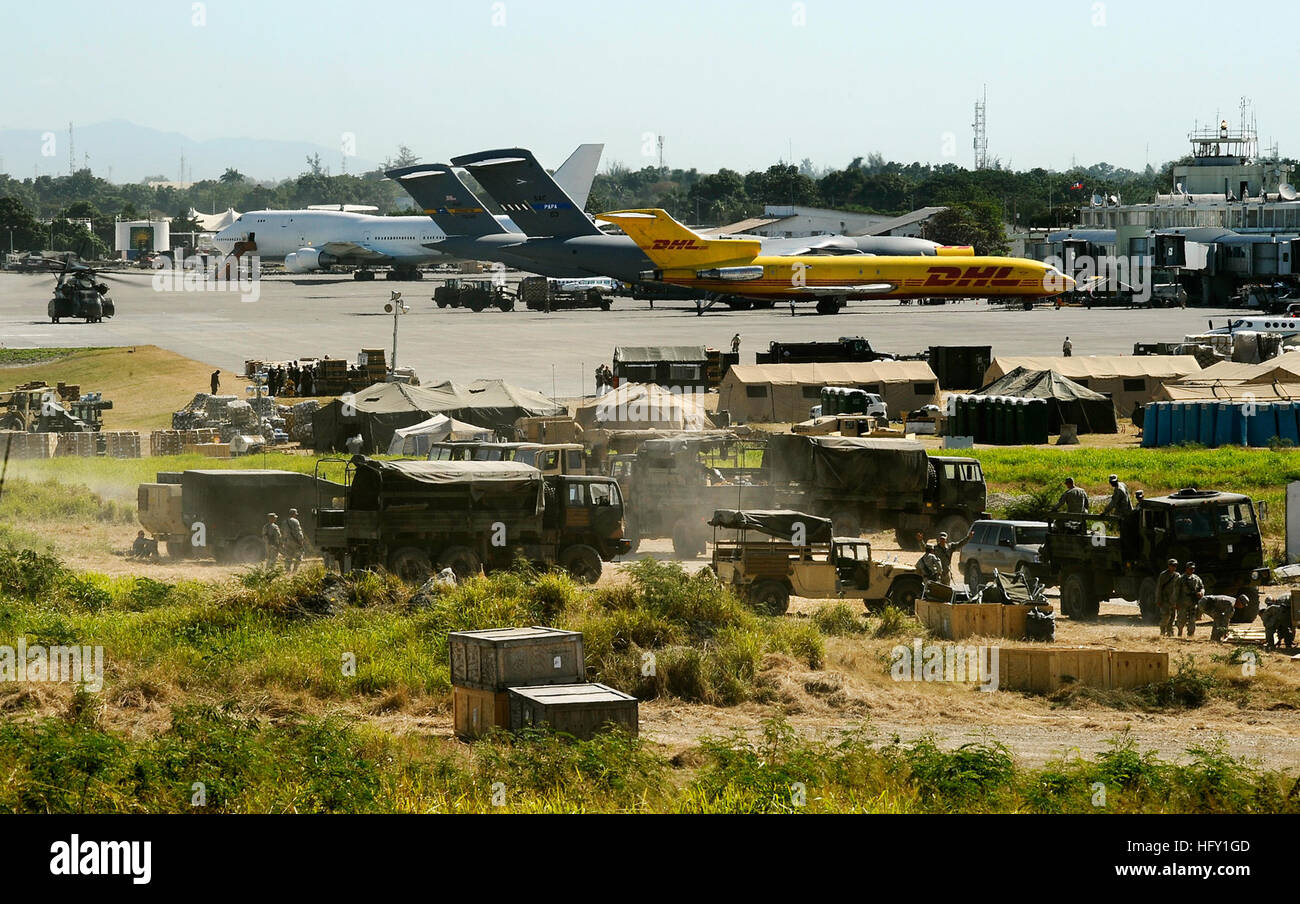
x,y
783,393
1282,369
1067,401
645,406
1129,380
379,410
1230,392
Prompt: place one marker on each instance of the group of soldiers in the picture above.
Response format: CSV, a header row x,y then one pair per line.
x,y
1181,599
278,544
1075,499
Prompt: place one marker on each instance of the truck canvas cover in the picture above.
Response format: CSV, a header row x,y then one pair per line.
x,y
848,464
779,524
482,479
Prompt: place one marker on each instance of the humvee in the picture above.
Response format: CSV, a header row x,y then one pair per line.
x,y
802,557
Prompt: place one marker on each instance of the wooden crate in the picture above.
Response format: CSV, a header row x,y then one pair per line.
x,y
477,712
580,710
1041,670
1130,669
501,658
211,450
960,621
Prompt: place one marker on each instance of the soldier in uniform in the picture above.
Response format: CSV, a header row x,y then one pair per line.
x,y
1120,505
273,538
296,543
930,567
1190,590
1220,608
1167,597
1074,500
1276,616
944,551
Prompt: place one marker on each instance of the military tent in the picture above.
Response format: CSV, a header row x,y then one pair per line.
x,y
784,393
1067,401
645,406
416,439
378,411
1129,380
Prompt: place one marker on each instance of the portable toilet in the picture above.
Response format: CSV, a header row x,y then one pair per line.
x,y
1229,424
1206,427
1286,422
1261,423
1164,423
1150,425
1191,422
1177,425
1036,421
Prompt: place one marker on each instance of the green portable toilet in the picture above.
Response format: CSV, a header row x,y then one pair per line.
x,y
1037,422
1019,415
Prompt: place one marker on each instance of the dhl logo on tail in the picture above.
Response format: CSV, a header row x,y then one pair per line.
x,y
671,246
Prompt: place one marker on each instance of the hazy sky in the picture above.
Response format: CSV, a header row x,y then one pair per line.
x,y
734,83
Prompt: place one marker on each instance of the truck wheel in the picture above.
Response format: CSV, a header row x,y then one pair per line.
x,y
905,592
769,597
688,541
974,579
846,523
462,560
248,550
505,304
906,540
411,565
955,526
1076,596
583,563
1251,612
1147,601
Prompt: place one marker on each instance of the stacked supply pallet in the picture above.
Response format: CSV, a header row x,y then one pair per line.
x,y
16,444
374,363
122,444
81,445
332,377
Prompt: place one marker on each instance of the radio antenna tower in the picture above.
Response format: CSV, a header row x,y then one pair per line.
x,y
72,154
981,132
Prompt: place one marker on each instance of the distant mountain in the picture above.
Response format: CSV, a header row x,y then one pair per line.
x,y
134,152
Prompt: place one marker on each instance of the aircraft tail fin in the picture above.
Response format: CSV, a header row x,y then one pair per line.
x,y
577,173
442,195
528,194
671,246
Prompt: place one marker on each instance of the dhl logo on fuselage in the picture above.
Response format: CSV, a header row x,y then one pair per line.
x,y
678,245
971,276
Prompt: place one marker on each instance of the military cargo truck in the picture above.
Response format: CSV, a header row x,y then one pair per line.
x,y
876,484
1095,558
221,512
412,517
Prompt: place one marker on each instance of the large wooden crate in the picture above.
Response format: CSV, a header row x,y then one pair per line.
x,y
475,712
1130,669
1041,670
960,621
501,658
580,710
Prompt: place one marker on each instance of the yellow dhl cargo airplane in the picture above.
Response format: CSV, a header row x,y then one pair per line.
x,y
738,267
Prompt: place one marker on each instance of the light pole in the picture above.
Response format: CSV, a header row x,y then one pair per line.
x,y
397,308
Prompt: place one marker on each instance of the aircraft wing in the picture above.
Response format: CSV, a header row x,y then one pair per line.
x,y
527,193
352,251
817,244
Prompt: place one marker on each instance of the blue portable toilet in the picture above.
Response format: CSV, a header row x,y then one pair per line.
x,y
1287,428
1191,422
1150,425
1206,430
1177,425
1229,424
1164,419
1261,424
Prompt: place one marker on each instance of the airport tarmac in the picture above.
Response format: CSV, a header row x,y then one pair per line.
x,y
554,353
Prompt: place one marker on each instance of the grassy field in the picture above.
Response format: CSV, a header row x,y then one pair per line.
x,y
240,685
145,383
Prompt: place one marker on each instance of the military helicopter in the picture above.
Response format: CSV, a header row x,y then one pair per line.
x,y
78,294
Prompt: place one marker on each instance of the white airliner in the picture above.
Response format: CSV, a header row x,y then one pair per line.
x,y
313,239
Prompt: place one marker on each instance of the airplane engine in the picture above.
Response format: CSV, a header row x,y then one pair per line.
x,y
304,260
